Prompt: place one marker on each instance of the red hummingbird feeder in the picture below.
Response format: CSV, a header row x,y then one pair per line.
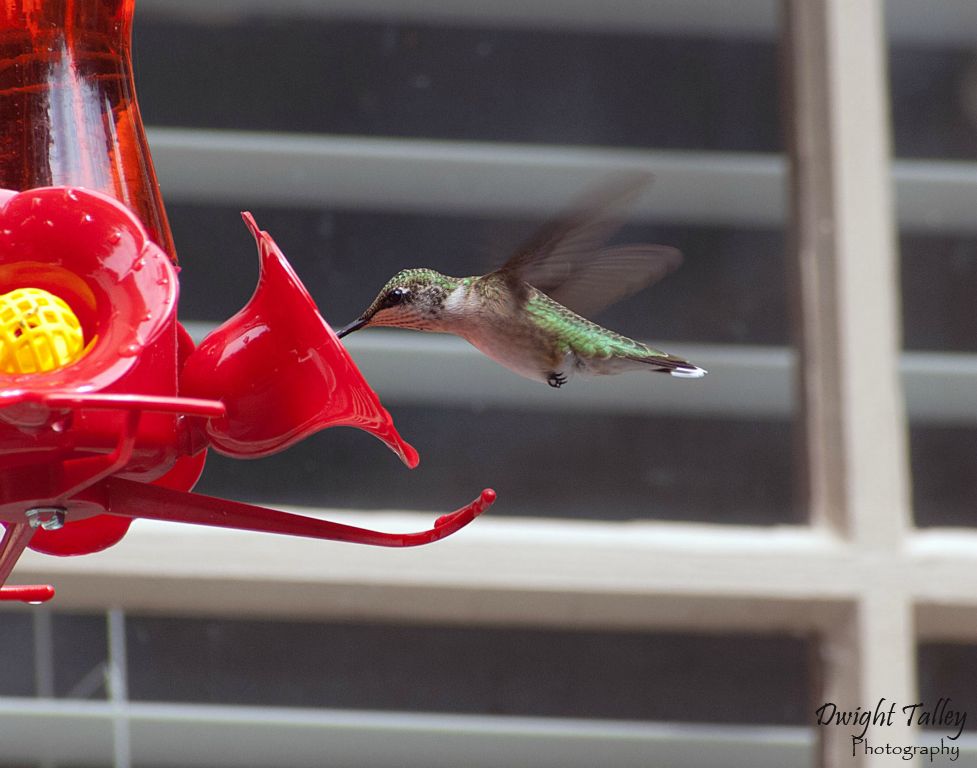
x,y
107,408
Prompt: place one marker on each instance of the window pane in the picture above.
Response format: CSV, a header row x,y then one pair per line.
x,y
939,279
17,641
949,671
501,671
77,654
571,465
80,655
933,84
944,481
469,83
934,100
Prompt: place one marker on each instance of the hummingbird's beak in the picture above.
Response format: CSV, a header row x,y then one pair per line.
x,y
353,326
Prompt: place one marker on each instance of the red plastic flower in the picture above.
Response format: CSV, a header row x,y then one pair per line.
x,y
281,371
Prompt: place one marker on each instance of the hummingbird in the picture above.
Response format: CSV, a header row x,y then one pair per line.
x,y
528,315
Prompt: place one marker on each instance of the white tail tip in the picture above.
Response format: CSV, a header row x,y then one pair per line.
x,y
689,373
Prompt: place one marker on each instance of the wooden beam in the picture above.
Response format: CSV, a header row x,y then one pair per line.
x,y
846,292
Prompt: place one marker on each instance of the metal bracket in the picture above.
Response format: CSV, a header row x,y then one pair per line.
x,y
48,518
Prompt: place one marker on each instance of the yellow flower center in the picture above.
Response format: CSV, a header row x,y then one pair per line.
x,y
38,332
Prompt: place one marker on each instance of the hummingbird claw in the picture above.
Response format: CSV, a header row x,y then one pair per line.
x,y
556,379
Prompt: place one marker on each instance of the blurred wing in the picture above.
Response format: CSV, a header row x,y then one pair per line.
x,y
566,259
613,274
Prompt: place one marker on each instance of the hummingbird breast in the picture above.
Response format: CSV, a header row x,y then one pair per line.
x,y
487,316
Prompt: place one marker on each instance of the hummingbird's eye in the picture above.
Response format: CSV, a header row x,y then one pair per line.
x,y
396,296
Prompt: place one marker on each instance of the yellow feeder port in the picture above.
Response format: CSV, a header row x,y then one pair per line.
x,y
38,332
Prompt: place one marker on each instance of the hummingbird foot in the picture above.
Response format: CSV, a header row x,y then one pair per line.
x,y
556,379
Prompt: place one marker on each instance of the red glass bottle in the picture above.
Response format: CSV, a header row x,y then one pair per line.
x,y
68,112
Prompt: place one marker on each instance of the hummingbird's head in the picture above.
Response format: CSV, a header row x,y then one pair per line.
x,y
413,298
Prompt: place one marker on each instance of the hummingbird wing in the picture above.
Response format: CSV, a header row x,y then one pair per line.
x,y
566,258
613,274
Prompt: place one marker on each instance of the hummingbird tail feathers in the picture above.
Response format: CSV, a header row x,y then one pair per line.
x,y
674,365
689,372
